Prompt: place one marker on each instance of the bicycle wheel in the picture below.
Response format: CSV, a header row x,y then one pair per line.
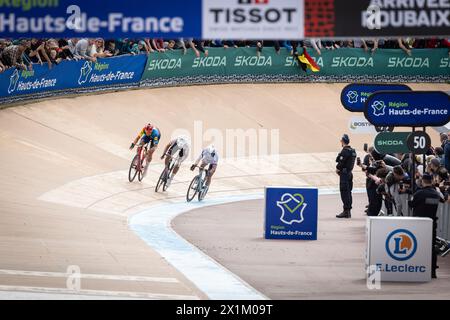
x,y
193,189
141,172
160,181
132,172
202,194
169,174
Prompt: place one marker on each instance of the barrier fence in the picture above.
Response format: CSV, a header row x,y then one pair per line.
x,y
443,215
232,65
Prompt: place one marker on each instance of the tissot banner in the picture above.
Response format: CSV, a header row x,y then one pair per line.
x,y
253,19
291,213
408,109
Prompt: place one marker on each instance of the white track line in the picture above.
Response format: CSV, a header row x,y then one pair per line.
x,y
153,226
93,293
86,276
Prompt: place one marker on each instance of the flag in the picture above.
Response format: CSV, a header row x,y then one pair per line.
x,y
306,62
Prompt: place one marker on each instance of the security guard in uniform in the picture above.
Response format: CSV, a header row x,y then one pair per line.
x,y
345,164
425,204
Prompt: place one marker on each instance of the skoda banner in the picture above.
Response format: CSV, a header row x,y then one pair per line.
x,y
392,142
291,213
408,109
354,96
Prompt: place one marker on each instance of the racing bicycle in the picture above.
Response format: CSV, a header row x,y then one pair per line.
x,y
166,175
198,186
137,165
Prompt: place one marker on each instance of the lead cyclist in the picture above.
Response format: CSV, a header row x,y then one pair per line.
x,y
209,157
180,145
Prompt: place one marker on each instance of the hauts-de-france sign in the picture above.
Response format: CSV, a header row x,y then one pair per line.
x,y
408,108
355,95
291,213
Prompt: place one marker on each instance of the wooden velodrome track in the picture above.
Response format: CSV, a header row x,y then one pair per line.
x,y
65,199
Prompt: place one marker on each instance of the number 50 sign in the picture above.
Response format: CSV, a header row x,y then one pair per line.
x,y
419,142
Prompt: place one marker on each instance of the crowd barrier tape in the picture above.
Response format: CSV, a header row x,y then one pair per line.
x,y
71,76
232,65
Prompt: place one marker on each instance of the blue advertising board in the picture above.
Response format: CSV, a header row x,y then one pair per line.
x,y
408,109
100,18
355,95
291,213
73,74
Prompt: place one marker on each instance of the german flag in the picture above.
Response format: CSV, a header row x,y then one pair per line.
x,y
306,62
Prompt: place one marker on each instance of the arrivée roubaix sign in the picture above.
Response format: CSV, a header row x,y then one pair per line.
x,y
291,213
391,17
399,248
222,19
408,108
354,95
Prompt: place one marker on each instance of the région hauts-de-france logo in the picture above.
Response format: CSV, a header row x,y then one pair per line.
x,y
352,97
292,207
401,244
379,108
13,80
85,71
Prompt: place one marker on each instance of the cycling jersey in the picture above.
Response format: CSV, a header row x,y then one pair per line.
x,y
153,138
174,148
207,158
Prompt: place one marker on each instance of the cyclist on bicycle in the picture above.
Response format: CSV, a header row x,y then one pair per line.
x,y
180,145
209,157
149,134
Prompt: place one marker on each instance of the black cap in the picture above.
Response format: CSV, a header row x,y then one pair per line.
x,y
427,177
345,139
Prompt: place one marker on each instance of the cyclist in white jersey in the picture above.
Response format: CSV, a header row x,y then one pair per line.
x,y
209,157
180,145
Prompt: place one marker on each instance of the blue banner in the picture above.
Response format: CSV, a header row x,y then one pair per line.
x,y
100,18
355,95
72,75
291,213
408,109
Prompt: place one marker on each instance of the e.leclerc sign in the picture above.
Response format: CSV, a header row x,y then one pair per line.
x,y
408,109
355,95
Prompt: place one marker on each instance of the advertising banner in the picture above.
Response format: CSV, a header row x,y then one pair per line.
x,y
253,19
354,96
392,142
399,248
343,64
291,213
381,18
100,18
71,75
408,109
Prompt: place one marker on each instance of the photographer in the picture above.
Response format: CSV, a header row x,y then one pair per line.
x,y
398,183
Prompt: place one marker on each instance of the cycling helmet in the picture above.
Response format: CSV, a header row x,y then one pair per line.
x,y
149,127
182,141
212,150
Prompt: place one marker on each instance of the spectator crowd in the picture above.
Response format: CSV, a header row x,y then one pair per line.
x,y
23,53
389,177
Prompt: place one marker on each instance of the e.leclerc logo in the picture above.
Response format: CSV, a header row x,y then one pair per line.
x,y
401,245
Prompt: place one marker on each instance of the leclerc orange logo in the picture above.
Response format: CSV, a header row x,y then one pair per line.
x,y
401,245
253,1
